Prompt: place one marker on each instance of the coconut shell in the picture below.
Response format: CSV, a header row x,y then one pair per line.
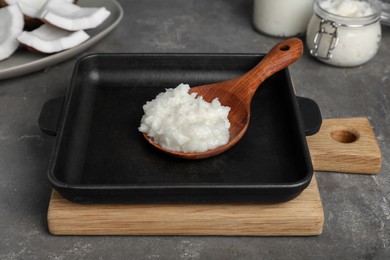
x,y
3,3
31,23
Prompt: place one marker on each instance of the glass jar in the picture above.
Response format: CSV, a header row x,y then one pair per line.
x,y
282,18
344,33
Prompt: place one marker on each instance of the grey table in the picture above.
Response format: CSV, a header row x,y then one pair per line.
x,y
356,207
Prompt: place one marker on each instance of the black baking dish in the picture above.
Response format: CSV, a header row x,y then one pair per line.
x,y
99,155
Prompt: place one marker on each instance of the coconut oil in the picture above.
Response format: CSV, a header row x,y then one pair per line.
x,y
180,121
344,33
282,18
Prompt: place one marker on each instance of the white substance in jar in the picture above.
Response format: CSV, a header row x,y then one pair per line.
x,y
348,8
351,32
282,18
180,121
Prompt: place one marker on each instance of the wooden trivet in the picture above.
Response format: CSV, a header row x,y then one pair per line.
x,y
344,145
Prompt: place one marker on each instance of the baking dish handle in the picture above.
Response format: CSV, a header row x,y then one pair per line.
x,y
50,116
311,115
51,113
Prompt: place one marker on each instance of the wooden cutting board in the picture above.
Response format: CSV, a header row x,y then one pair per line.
x,y
344,145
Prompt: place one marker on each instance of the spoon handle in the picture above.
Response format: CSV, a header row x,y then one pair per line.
x,y
278,58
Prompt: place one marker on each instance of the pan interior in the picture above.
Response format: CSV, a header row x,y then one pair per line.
x,y
101,145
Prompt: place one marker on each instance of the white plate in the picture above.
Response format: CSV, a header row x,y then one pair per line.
x,y
24,61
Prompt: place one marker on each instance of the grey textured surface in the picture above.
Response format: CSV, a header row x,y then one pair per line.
x,y
356,207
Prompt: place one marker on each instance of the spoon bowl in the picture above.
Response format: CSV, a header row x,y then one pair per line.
x,y
237,93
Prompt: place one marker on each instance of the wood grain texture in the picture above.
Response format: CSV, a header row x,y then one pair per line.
x,y
302,216
345,145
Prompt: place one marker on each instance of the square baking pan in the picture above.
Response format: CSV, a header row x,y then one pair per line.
x,y
100,156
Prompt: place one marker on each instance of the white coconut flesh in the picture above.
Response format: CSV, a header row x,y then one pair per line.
x,y
50,39
11,26
31,8
72,17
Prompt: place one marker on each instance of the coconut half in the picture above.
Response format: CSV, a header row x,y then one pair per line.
x,y
10,28
69,16
50,39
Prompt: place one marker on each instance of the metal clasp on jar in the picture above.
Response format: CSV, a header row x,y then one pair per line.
x,y
319,37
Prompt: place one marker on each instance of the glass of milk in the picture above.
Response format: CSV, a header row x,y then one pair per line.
x,y
282,18
344,33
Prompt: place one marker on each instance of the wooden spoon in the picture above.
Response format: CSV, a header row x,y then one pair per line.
x,y
237,94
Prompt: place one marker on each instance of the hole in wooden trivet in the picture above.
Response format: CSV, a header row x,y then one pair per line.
x,y
344,136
